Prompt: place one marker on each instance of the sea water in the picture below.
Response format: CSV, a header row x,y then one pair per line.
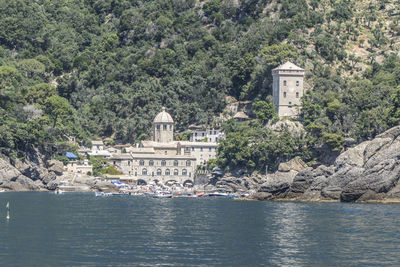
x,y
76,229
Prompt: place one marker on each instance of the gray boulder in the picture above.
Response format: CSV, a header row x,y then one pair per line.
x,y
13,179
55,166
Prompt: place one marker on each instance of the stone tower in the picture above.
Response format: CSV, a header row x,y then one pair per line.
x,y
163,127
287,89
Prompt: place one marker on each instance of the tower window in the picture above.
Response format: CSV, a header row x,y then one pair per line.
x,y
297,94
165,127
297,83
284,94
158,126
284,83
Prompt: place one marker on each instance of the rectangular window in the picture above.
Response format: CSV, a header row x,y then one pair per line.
x,y
284,83
210,132
297,94
209,149
201,148
195,134
202,134
192,148
215,132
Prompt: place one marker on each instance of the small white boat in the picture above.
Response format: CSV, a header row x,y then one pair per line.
x,y
218,194
162,195
102,194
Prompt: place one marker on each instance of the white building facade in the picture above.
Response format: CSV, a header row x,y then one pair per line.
x,y
287,89
163,159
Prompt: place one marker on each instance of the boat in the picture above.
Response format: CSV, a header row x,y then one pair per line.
x,y
218,194
162,195
102,194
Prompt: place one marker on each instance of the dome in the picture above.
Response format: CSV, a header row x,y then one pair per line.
x,y
163,117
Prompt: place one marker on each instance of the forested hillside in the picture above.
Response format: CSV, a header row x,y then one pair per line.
x,y
104,68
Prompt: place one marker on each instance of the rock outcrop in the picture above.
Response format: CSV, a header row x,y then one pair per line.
x,y
12,179
269,185
369,171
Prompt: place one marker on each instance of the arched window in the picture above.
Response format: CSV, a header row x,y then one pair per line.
x,y
151,163
297,95
184,172
188,163
284,94
163,163
158,172
141,162
284,83
167,172
176,172
144,171
165,127
175,163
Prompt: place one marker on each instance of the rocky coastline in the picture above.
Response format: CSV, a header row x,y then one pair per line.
x,y
368,172
35,173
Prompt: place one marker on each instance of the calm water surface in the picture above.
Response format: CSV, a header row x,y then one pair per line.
x,y
84,230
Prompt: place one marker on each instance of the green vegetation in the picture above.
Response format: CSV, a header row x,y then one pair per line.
x,y
251,147
90,68
100,168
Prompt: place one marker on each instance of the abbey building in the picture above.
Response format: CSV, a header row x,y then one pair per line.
x,y
163,159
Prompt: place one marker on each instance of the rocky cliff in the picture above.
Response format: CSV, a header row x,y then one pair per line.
x,y
36,173
369,171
